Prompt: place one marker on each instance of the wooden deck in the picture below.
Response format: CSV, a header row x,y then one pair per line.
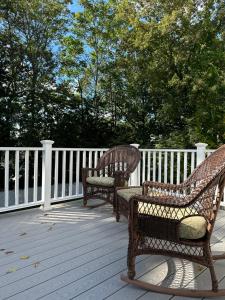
x,y
73,252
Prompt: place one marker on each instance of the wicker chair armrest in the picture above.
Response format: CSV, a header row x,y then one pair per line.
x,y
167,186
127,187
170,201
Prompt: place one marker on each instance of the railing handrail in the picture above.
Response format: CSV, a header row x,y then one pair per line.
x,y
79,149
167,150
99,149
53,174
21,148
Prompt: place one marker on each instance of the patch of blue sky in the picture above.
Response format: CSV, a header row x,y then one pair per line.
x,y
75,6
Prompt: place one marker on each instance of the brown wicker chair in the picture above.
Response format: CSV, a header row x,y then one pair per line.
x,y
177,221
113,170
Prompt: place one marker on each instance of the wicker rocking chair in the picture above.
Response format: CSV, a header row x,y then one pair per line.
x,y
113,170
177,221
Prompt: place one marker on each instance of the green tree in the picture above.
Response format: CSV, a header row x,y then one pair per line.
x,y
29,33
182,44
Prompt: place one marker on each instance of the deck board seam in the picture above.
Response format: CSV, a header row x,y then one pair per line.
x,y
67,272
71,242
59,263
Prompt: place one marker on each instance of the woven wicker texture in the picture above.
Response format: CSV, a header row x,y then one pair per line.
x,y
155,216
117,163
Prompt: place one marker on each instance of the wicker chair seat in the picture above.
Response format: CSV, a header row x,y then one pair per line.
x,y
101,181
128,193
113,170
191,226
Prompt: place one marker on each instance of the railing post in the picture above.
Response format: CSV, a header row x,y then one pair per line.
x,y
46,173
135,176
201,150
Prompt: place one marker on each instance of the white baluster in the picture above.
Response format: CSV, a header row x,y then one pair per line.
x,y
6,178
46,173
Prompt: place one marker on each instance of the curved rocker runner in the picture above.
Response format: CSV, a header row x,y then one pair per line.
x,y
173,291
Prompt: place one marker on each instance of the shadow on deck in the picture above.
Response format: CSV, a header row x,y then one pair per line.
x,y
73,252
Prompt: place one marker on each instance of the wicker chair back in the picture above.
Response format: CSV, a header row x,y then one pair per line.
x,y
120,158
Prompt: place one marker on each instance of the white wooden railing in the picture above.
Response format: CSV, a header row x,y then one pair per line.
x,y
44,175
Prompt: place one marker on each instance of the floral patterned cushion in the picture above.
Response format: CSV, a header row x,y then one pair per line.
x,y
101,181
190,227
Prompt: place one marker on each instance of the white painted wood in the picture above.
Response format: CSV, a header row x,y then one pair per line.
x,y
165,166
185,166
73,197
63,173
6,187
149,166
71,174
26,177
171,166
95,158
192,161
46,173
35,181
20,148
20,206
80,149
56,175
90,159
149,169
143,166
84,160
201,150
17,158
101,153
178,167
84,165
77,172
154,166
160,167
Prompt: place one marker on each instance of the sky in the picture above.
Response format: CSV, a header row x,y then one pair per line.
x,y
75,6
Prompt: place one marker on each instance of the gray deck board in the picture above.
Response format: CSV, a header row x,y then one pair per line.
x,y
79,253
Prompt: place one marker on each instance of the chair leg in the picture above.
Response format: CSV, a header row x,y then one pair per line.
x,y
130,255
85,197
209,256
213,277
117,215
85,201
130,265
117,208
114,202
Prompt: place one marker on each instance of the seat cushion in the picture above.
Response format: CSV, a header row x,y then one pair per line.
x,y
128,193
190,227
101,181
193,227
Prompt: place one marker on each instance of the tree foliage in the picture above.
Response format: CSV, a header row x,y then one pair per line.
x,y
29,31
123,71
